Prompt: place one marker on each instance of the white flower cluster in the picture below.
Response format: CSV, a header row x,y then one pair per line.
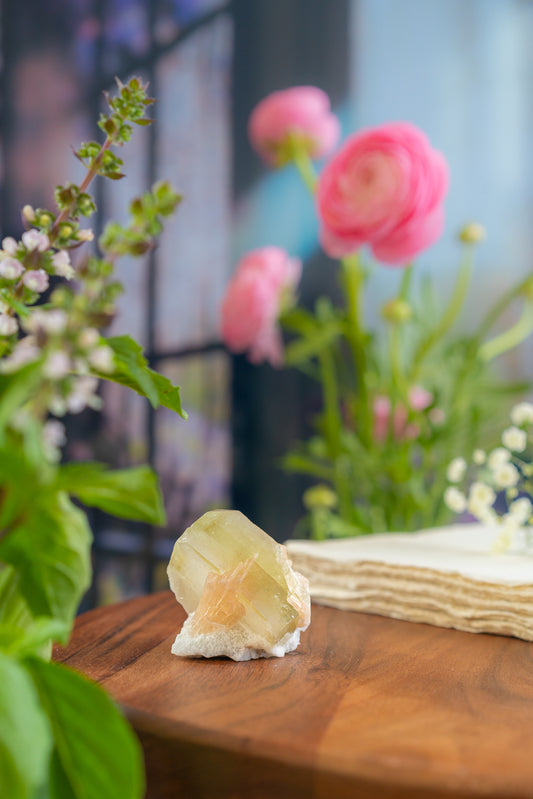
x,y
50,334
28,264
503,470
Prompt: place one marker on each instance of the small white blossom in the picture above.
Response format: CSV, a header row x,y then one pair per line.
x,y
479,456
483,512
102,359
522,413
8,325
54,437
521,509
84,395
85,235
456,470
9,245
505,475
481,492
455,499
33,240
36,280
57,406
57,365
11,268
25,351
498,456
53,321
88,338
514,439
62,265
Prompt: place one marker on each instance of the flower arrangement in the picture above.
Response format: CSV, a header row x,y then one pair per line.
x,y
60,735
396,403
501,484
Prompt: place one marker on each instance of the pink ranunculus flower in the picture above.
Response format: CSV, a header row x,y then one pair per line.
x,y
263,283
419,399
385,188
303,112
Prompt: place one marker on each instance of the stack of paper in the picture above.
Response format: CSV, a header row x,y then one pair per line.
x,y
449,577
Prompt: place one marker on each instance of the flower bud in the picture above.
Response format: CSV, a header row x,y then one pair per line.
x,y
320,496
472,233
62,265
397,311
28,214
88,338
102,359
85,235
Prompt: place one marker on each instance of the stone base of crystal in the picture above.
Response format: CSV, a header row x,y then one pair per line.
x,y
230,642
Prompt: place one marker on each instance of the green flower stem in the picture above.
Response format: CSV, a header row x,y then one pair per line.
x,y
450,314
500,306
303,164
333,427
91,173
510,338
332,419
395,339
353,279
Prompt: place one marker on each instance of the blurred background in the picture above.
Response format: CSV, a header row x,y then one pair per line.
x,y
462,70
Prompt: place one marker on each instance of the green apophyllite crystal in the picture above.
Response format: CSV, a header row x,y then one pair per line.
x,y
238,585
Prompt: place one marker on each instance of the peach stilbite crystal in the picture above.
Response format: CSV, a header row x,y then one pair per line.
x,y
243,598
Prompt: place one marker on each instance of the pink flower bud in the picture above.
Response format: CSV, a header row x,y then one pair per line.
x,y
302,112
419,398
10,269
264,280
385,188
36,280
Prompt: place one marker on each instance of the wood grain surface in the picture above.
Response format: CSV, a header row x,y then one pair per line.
x,y
367,707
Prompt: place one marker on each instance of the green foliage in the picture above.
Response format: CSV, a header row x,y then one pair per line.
x,y
25,735
393,479
146,222
96,755
132,370
61,737
127,493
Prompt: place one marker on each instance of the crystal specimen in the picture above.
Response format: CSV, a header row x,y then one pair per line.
x,y
236,583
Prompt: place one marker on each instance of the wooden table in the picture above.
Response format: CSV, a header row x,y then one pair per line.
x,y
367,707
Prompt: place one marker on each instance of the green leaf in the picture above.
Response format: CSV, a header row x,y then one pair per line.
x,y
302,349
96,752
33,638
132,370
127,493
15,390
25,735
50,548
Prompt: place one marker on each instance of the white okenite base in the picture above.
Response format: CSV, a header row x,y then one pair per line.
x,y
447,576
233,643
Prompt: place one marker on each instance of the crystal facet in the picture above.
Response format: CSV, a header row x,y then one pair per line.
x,y
243,598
